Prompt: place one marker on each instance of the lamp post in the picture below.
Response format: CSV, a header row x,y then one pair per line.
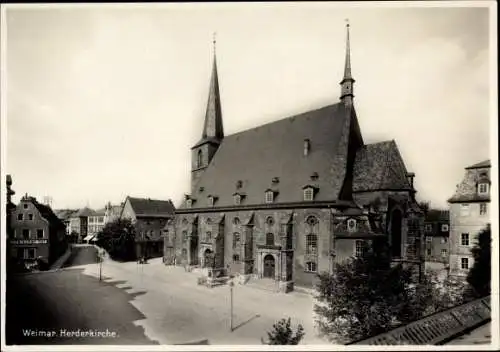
x,y
231,284
99,261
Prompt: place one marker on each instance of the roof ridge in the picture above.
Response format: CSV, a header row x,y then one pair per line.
x,y
284,118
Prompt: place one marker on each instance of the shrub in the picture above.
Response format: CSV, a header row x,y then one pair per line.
x,y
283,334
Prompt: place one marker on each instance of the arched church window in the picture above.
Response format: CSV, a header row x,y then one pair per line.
x,y
199,160
236,239
270,239
270,221
311,267
311,220
311,244
236,221
184,236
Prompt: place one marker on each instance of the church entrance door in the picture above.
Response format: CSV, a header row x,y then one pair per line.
x,y
269,266
208,258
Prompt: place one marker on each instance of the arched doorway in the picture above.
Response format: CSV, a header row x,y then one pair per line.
x,y
269,266
396,224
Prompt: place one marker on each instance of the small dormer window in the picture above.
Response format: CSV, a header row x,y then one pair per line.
x,y
237,199
211,200
482,188
189,203
307,146
269,196
308,194
199,161
351,225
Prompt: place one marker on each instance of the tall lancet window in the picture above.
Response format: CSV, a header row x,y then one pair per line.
x,y
199,160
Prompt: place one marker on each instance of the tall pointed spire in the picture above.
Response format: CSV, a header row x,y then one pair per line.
x,y
347,83
213,127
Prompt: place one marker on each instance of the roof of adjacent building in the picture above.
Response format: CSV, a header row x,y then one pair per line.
x,y
482,164
380,166
64,214
437,215
84,212
467,189
151,207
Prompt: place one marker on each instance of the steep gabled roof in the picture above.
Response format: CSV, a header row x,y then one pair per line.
x,y
276,151
151,207
482,164
379,166
48,214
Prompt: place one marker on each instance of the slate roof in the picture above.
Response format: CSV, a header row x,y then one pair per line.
x,y
85,212
276,149
434,215
64,214
151,207
379,166
466,190
482,164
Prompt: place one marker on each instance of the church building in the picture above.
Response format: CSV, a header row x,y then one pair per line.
x,y
286,200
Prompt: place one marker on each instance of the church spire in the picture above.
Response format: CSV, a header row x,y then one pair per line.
x,y
213,127
347,83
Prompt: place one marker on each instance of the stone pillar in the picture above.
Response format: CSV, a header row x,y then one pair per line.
x,y
286,279
247,255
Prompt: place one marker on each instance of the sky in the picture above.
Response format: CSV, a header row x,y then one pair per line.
x,y
105,101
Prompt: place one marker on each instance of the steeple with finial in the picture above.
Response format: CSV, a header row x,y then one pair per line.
x,y
213,127
347,83
213,130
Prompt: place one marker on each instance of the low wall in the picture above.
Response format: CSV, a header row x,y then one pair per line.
x,y
438,328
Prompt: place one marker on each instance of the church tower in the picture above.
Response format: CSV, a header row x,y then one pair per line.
x,y
347,83
213,131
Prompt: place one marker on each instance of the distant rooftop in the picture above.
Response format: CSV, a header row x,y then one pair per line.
x,y
482,164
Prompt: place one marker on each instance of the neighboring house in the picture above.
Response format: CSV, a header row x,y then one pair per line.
x,y
469,214
95,224
38,234
437,233
65,215
149,217
112,212
286,200
79,223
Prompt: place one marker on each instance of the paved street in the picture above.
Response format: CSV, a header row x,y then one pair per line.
x,y
178,311
145,303
52,305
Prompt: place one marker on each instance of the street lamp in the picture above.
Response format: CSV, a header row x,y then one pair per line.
x,y
231,284
100,259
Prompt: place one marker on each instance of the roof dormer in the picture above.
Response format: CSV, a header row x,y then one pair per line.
x,y
238,197
310,192
212,200
270,195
